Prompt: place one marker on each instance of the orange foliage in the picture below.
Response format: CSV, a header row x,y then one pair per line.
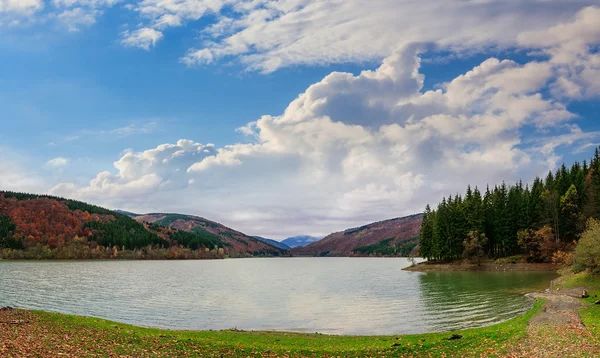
x,y
47,221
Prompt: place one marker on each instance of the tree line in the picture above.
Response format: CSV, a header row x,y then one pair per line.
x,y
540,220
42,226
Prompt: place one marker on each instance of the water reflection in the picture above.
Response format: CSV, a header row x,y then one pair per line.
x,y
459,300
327,295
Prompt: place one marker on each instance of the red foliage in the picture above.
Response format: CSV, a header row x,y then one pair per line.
x,y
344,242
47,221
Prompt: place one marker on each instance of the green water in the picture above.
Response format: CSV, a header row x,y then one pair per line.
x,y
457,300
358,296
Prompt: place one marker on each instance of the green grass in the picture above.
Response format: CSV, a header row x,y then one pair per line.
x,y
591,318
582,279
130,340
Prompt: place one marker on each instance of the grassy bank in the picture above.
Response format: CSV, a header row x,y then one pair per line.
x,y
39,333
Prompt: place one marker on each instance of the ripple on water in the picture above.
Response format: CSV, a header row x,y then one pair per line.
x,y
327,295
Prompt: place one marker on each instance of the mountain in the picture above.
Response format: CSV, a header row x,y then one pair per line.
x,y
235,242
272,242
300,240
47,227
393,237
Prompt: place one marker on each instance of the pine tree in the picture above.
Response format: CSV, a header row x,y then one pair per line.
x,y
558,205
570,214
427,228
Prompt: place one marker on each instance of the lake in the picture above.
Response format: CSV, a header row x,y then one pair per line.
x,y
356,296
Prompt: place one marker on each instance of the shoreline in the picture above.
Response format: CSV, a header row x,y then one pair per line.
x,y
197,259
485,266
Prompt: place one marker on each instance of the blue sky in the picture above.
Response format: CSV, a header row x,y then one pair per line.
x,y
259,115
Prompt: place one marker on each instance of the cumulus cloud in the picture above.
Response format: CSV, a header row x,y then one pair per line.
x,y
144,38
357,148
140,173
573,48
352,149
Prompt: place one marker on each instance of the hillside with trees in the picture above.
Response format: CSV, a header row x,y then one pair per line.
x,y
543,221
395,237
235,242
47,227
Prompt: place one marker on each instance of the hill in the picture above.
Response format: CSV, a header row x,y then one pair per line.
x,y
395,237
46,227
237,243
272,242
300,240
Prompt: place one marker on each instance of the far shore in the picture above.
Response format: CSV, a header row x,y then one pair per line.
x,y
502,265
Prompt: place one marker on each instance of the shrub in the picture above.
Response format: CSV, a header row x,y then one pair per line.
x,y
562,258
587,252
539,245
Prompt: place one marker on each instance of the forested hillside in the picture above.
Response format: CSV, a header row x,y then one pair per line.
x,y
235,242
542,220
46,227
395,237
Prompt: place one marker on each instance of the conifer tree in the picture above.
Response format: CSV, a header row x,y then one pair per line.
x,y
557,206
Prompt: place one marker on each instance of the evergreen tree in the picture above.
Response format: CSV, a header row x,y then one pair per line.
x,y
570,215
551,210
427,228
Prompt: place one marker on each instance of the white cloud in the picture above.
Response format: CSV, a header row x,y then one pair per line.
x,y
572,47
198,57
85,3
77,17
575,135
144,38
57,162
74,14
141,173
24,7
352,148
267,35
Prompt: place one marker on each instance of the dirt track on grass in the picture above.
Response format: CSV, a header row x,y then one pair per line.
x,y
557,330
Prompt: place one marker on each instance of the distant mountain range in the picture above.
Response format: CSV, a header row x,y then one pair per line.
x,y
72,229
290,242
272,242
47,227
300,240
393,237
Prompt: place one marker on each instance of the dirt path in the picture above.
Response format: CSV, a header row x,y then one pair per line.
x,y
557,331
